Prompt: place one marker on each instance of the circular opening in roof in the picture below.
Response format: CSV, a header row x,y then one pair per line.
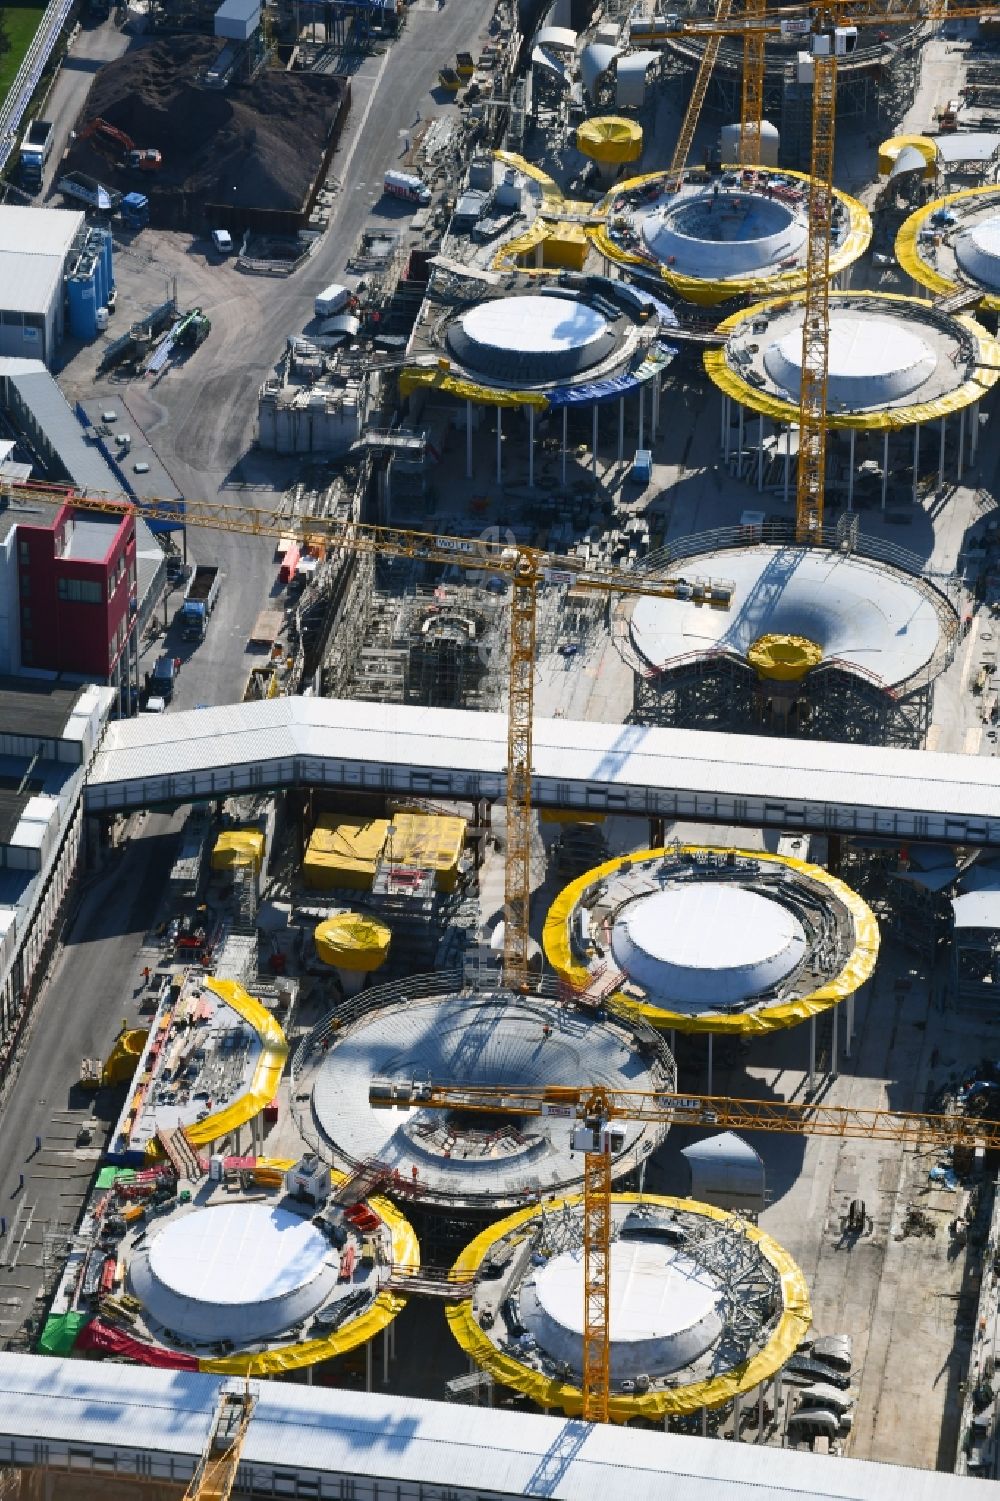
x,y
707,944
725,234
665,1309
872,360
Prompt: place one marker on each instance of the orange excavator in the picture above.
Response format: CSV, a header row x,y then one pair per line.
x,y
145,158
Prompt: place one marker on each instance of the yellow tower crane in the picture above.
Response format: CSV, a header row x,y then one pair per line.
x,y
831,32
527,569
594,1108
219,1465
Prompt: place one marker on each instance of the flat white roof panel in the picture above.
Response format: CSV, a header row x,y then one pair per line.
x,y
38,231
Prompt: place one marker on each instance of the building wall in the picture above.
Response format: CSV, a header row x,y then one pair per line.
x,y
30,336
75,614
10,635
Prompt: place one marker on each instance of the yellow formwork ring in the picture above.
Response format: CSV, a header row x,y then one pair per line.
x,y
853,974
384,1308
984,377
908,246
419,377
709,293
549,1392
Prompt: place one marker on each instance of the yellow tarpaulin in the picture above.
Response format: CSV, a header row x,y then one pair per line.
x,y
267,1071
550,1392
610,139
239,847
858,967
429,842
344,852
982,379
353,942
908,252
405,1252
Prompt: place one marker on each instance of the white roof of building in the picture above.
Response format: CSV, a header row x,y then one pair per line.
x,y
860,613
967,146
34,243
328,1435
977,909
743,779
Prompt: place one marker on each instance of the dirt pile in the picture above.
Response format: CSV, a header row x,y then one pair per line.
x,y
251,146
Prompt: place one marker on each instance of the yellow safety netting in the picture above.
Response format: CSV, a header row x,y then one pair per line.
x,y
344,852
405,1252
353,942
239,847
122,1061
908,245
419,377
859,966
549,1392
983,378
784,659
890,150
610,139
267,1071
707,293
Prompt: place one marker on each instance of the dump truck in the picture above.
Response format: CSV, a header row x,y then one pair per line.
x,y
35,150
199,602
89,192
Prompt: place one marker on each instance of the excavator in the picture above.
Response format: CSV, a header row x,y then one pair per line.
x,y
143,158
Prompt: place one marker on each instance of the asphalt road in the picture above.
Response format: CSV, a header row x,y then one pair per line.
x,y
93,46
92,988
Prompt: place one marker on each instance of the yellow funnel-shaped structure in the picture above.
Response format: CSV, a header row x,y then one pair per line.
x,y
784,659
124,1057
610,140
890,150
353,943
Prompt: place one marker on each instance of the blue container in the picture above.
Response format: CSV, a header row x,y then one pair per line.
x,y
82,307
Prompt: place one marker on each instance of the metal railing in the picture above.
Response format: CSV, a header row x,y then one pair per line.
x,y
29,75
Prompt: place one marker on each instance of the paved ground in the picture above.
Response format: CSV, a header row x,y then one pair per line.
x,y
92,46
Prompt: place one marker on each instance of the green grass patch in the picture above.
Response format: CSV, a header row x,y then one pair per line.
x,y
19,23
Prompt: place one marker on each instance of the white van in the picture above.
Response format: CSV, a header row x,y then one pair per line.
x,y
407,185
222,241
332,300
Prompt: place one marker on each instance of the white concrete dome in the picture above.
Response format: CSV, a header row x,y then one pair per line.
x,y
872,361
665,1309
237,1272
706,944
715,236
977,251
860,614
534,338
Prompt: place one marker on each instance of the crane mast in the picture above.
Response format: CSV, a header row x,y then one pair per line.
x,y
752,98
811,480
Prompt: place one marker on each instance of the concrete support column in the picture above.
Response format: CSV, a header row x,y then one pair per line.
x,y
368,1366
708,1089
704,1422
737,1414
642,416
916,460
309,1375
722,431
621,429
385,1356
973,432
531,448
468,440
961,444
499,466
725,428
642,1176
760,455
760,1413
833,1050
656,406
788,460
850,473
673,1040
812,1053
593,444
739,441
565,420
850,1025
941,455
885,466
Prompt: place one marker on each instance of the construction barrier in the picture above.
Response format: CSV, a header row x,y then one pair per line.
x,y
551,1392
853,974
